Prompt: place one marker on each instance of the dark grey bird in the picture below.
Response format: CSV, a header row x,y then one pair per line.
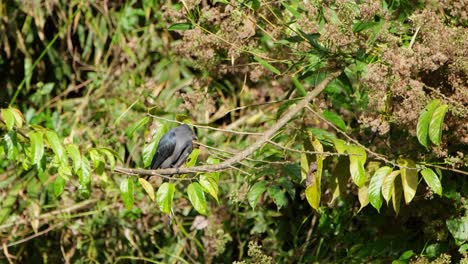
x,y
174,148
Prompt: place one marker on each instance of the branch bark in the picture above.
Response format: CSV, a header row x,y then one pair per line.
x,y
264,138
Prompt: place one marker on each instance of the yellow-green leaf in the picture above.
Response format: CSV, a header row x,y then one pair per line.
x,y
37,146
314,191
19,118
192,158
387,185
59,186
375,186
357,159
396,197
75,155
164,197
422,129
147,187
210,185
9,118
436,124
340,145
431,178
409,179
56,146
363,195
126,192
197,197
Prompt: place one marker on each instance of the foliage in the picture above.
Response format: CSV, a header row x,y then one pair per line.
x,y
90,87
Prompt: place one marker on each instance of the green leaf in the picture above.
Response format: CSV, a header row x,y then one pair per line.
x,y
396,196
150,149
37,146
278,196
430,177
436,124
340,145
56,146
422,129
192,158
59,186
335,119
147,187
197,197
75,155
9,118
11,145
363,196
210,185
314,190
180,26
110,157
458,228
84,178
409,179
98,161
214,175
19,118
267,65
375,186
164,197
299,86
357,159
363,25
387,185
255,192
292,10
131,129
126,192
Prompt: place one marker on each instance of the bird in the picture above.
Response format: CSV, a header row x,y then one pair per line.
x,y
174,148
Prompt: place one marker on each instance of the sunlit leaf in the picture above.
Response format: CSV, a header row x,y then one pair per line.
x,y
335,119
110,157
299,86
150,149
340,145
375,186
436,124
409,178
387,185
422,129
357,159
75,155
56,145
126,192
164,197
255,192
59,185
84,178
19,118
10,145
192,158
314,190
432,180
363,196
210,185
37,146
98,161
9,118
197,197
214,175
147,187
267,65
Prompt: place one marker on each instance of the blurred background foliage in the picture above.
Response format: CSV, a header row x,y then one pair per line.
x,y
94,71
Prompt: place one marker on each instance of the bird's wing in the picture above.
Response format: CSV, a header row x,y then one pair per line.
x,y
186,150
165,149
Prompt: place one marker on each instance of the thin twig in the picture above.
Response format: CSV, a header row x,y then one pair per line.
x,y
35,235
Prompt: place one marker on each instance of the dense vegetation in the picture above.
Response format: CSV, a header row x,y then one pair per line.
x,y
334,131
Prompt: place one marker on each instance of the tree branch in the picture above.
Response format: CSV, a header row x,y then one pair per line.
x,y
264,138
